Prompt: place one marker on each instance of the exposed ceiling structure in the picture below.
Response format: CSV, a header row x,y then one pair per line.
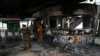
x,y
24,7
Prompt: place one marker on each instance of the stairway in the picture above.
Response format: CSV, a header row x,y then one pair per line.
x,y
76,23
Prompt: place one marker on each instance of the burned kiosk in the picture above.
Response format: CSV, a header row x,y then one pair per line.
x,y
61,29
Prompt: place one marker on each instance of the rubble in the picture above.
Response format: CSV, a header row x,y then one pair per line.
x,y
77,40
40,50
36,48
26,53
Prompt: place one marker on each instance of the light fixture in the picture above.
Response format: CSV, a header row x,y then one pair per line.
x,y
88,2
70,17
79,16
59,25
97,2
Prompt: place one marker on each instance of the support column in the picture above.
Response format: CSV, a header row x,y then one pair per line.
x,y
96,20
95,24
57,22
48,22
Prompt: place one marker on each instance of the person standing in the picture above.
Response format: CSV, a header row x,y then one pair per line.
x,y
40,31
26,37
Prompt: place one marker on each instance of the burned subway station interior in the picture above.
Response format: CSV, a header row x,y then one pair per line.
x,y
49,28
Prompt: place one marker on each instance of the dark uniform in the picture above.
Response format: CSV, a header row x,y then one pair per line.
x,y
26,37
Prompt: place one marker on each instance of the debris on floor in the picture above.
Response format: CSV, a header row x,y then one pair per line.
x,y
40,50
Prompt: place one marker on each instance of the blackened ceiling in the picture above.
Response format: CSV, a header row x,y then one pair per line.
x,y
24,7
